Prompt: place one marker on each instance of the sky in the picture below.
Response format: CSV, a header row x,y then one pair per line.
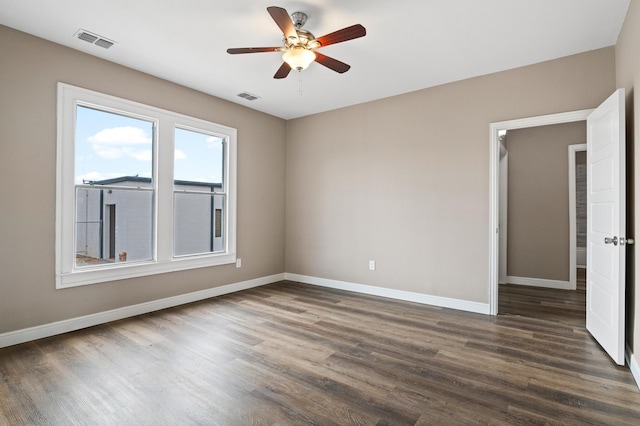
x,y
110,145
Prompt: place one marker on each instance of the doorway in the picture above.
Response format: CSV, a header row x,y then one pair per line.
x,y
547,223
498,129
578,206
606,227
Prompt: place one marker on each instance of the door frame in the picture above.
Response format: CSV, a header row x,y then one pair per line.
x,y
503,206
494,185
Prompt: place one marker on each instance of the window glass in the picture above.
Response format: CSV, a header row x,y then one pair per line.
x,y
113,179
199,192
112,146
113,225
198,157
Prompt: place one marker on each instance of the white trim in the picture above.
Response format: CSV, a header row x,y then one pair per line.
x,y
503,202
543,120
72,324
633,365
541,282
573,226
494,181
425,299
123,271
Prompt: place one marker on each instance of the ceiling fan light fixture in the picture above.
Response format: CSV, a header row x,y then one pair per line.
x,y
298,58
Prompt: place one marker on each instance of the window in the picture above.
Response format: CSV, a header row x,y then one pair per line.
x,y
139,190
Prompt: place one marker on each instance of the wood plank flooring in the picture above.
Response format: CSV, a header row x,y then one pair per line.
x,y
566,306
294,354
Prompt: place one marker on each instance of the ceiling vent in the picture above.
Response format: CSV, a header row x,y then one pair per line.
x,y
94,39
248,96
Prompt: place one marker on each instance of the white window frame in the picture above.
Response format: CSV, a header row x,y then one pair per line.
x,y
67,274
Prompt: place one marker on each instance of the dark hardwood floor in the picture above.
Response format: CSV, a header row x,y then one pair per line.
x,y
294,354
566,306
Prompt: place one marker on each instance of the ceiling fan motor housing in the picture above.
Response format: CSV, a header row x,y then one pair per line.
x,y
299,19
305,39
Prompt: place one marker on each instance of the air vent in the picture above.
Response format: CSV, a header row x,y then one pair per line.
x,y
248,96
87,37
103,43
94,39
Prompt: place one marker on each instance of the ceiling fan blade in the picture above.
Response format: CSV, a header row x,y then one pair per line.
x,y
235,51
283,71
331,63
349,33
281,17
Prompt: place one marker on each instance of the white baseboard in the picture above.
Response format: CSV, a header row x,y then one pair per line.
x,y
72,324
443,302
633,365
539,282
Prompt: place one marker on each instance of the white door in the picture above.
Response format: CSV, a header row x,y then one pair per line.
x,y
606,225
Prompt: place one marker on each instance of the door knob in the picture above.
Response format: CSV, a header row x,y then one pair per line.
x,y
613,241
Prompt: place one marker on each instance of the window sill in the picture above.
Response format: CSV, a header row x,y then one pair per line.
x,y
86,276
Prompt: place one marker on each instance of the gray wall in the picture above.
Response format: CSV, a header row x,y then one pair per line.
x,y
538,197
29,70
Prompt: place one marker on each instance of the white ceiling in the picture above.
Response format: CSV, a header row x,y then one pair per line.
x,y
410,44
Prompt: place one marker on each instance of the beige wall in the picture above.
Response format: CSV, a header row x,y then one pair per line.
x,y
29,70
405,180
628,76
538,200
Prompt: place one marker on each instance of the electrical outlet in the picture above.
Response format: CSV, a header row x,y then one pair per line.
x,y
238,263
372,265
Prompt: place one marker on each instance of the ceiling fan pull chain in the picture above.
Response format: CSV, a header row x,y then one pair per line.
x,y
299,83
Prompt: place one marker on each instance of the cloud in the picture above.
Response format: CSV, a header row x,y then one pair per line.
x,y
179,155
108,153
113,153
119,142
127,135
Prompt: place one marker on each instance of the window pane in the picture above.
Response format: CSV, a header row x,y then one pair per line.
x,y
198,157
113,225
199,223
111,147
198,172
113,150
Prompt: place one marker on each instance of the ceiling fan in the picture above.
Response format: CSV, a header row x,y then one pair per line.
x,y
299,46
